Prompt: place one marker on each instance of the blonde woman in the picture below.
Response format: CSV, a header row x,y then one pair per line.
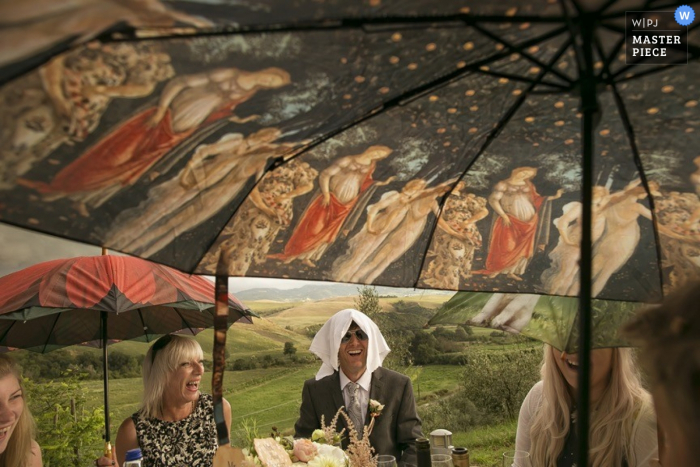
x,y
175,425
622,420
18,447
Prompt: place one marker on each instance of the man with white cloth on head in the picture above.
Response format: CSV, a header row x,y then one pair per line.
x,y
352,350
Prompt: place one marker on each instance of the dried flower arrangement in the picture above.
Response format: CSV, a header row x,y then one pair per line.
x,y
360,452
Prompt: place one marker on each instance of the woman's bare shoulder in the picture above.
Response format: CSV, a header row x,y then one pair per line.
x,y
35,460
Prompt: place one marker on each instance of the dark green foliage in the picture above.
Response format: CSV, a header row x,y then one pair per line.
x,y
461,335
456,412
68,433
86,364
497,382
367,302
289,349
423,348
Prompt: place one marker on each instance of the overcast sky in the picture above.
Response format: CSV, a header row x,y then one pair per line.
x,y
21,248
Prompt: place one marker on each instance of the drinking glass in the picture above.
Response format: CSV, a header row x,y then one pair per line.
x,y
516,459
441,460
386,461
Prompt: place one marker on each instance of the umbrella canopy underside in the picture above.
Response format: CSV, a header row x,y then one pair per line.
x,y
422,145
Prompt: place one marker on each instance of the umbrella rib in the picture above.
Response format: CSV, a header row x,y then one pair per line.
x,y
608,4
48,336
496,131
578,55
629,130
8,331
521,51
143,324
607,61
189,326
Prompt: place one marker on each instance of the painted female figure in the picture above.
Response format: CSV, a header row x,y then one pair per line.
x,y
186,104
517,203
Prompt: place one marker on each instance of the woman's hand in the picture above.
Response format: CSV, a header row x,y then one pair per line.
x,y
106,462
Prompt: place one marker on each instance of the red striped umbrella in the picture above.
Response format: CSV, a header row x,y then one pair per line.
x,y
96,299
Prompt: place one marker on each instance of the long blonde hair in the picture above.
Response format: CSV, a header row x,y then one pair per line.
x,y
19,446
170,350
612,422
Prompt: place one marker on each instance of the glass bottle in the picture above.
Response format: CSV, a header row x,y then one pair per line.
x,y
460,457
423,452
133,458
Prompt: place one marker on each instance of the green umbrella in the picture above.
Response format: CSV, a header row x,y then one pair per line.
x,y
547,318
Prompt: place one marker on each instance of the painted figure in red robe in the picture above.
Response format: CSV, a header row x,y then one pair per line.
x,y
516,202
341,184
186,104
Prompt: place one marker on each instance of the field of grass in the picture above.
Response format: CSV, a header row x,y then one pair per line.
x,y
487,444
270,396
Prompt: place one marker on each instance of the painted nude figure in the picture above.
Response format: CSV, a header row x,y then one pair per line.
x,y
341,185
382,218
399,240
212,179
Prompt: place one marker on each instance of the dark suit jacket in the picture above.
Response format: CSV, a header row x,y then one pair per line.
x,y
395,430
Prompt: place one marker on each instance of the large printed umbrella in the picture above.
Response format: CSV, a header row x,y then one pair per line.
x,y
320,139
95,300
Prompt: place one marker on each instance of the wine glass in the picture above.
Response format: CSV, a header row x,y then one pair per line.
x,y
516,459
386,461
441,460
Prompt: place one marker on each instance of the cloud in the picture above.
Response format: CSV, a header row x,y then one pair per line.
x,y
21,248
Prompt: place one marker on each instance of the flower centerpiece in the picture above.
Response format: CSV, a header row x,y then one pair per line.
x,y
323,449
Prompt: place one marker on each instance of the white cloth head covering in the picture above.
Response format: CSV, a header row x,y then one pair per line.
x,y
326,343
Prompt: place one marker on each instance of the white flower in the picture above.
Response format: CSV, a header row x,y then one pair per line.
x,y
375,408
331,452
323,461
318,435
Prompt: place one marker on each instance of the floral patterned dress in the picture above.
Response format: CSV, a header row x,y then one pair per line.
x,y
190,442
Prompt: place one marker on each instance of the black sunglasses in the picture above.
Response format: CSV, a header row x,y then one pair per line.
x,y
159,345
359,333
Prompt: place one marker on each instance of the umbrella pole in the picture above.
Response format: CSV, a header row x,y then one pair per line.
x,y
103,321
589,107
219,352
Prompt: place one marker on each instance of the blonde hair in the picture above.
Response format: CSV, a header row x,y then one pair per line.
x,y
518,170
275,71
19,446
612,423
669,337
170,351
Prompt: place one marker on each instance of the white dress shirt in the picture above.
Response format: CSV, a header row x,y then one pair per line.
x,y
365,383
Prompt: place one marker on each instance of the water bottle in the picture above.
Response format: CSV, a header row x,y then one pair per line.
x,y
133,458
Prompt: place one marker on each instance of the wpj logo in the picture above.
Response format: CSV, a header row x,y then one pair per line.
x,y
657,37
684,15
